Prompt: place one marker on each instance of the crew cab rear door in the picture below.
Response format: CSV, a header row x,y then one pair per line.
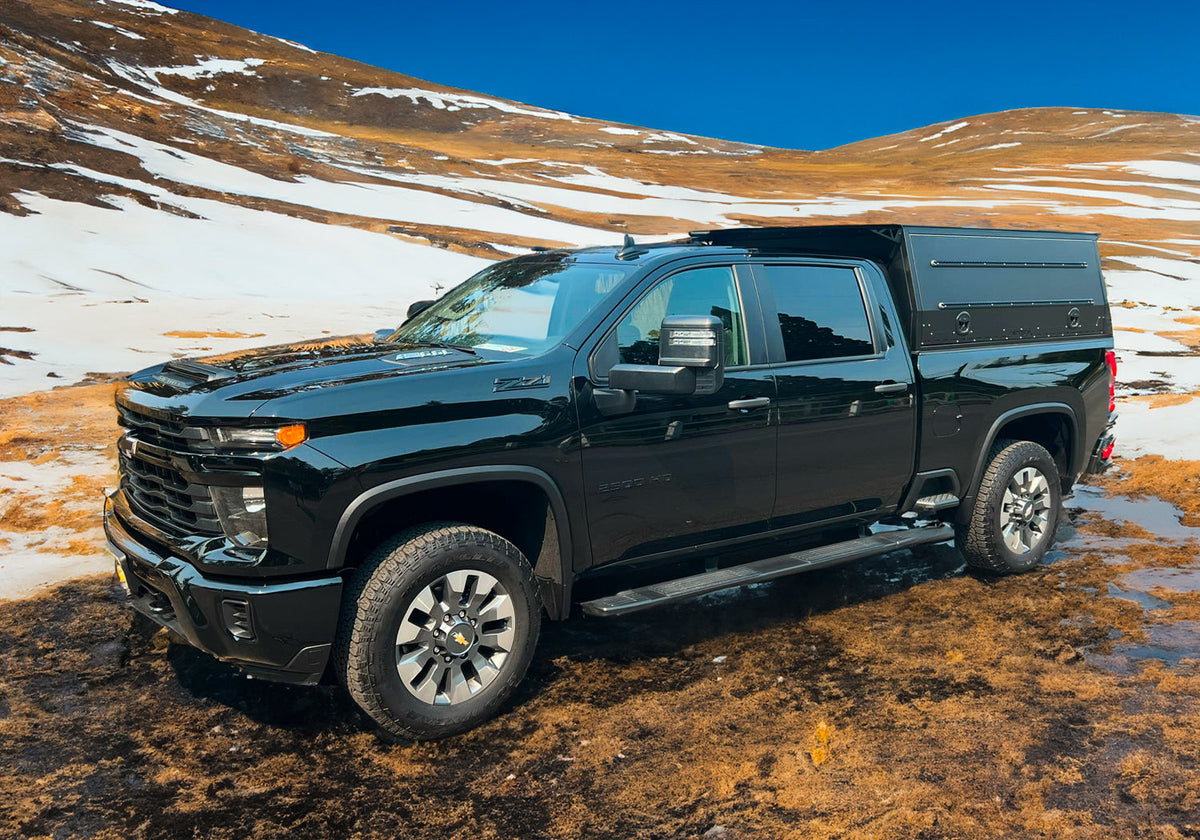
x,y
844,385
675,472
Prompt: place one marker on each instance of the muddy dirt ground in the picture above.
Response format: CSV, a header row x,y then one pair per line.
x,y
900,697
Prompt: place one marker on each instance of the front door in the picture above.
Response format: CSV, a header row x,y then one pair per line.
x,y
677,472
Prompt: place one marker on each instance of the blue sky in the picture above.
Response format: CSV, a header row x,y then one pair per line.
x,y
798,75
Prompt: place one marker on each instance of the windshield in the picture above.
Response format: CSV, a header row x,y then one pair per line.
x,y
523,306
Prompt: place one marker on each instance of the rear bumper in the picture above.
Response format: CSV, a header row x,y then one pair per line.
x,y
277,631
1101,458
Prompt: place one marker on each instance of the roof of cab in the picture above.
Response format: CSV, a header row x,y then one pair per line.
x,y
858,240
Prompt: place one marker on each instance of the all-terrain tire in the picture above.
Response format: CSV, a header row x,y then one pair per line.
x,y
380,595
982,538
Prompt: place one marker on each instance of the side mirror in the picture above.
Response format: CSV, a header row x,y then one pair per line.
x,y
696,342
419,306
381,336
691,359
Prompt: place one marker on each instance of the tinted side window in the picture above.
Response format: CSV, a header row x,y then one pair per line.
x,y
821,311
697,291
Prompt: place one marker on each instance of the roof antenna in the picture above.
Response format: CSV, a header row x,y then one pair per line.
x,y
630,250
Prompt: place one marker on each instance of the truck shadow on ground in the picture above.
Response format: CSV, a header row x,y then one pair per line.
x,y
664,632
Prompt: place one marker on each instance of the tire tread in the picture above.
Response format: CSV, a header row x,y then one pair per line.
x,y
368,593
978,539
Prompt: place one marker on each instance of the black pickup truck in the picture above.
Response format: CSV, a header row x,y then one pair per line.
x,y
401,511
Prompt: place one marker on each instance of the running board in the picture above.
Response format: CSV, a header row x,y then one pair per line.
x,y
670,591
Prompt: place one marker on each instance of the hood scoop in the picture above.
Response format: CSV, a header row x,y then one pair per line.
x,y
185,374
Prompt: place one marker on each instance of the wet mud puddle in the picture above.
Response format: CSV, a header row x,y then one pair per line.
x,y
1158,591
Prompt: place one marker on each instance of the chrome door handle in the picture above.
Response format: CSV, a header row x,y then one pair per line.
x,y
891,387
746,405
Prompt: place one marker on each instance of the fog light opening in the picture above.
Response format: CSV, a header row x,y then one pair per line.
x,y
236,614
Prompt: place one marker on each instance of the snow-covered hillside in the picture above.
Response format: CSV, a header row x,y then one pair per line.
x,y
171,184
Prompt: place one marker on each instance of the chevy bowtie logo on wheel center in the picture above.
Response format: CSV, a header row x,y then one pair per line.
x,y
460,638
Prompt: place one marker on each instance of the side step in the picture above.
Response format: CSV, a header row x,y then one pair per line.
x,y
932,504
644,597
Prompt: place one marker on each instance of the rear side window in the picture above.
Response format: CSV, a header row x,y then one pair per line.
x,y
821,311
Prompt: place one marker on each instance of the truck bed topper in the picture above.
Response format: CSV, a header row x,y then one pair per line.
x,y
962,286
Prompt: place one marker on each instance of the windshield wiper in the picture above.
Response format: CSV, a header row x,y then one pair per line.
x,y
442,345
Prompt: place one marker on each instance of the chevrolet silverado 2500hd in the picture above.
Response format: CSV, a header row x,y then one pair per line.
x,y
402,512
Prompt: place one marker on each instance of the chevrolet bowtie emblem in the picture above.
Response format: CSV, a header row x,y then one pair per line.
x,y
460,638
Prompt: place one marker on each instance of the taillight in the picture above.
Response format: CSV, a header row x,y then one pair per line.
x,y
1107,451
1110,359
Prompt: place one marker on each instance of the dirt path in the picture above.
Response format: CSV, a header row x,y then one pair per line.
x,y
899,697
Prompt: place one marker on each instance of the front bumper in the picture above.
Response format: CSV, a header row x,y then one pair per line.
x,y
277,631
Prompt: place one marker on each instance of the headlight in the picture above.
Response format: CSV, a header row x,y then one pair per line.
x,y
260,440
243,514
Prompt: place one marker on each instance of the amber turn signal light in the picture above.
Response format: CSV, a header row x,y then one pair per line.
x,y
291,436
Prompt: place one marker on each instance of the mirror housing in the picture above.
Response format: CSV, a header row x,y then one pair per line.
x,y
692,341
696,342
418,306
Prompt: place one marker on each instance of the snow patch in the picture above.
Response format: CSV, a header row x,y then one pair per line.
x,y
138,76
1115,130
1171,169
1169,431
297,45
134,273
508,161
131,35
145,5
944,131
612,129
208,68
456,101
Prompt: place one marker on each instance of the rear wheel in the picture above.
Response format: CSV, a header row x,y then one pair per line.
x,y
1016,510
438,627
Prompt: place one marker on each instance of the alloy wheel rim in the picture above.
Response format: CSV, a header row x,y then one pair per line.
x,y
455,637
1025,510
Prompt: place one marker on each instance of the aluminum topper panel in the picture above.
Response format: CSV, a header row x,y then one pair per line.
x,y
982,287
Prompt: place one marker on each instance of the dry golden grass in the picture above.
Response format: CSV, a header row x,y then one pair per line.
x,y
1178,482
894,698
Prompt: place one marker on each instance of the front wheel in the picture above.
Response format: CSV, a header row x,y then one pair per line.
x,y
1016,510
438,627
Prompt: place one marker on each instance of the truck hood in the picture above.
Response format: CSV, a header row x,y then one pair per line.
x,y
195,385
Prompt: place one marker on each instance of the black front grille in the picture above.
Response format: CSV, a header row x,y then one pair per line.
x,y
154,486
166,433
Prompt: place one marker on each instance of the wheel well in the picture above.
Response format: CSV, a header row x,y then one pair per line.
x,y
519,511
1052,431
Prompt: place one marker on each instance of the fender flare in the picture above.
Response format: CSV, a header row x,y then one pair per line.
x,y
367,501
1016,414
